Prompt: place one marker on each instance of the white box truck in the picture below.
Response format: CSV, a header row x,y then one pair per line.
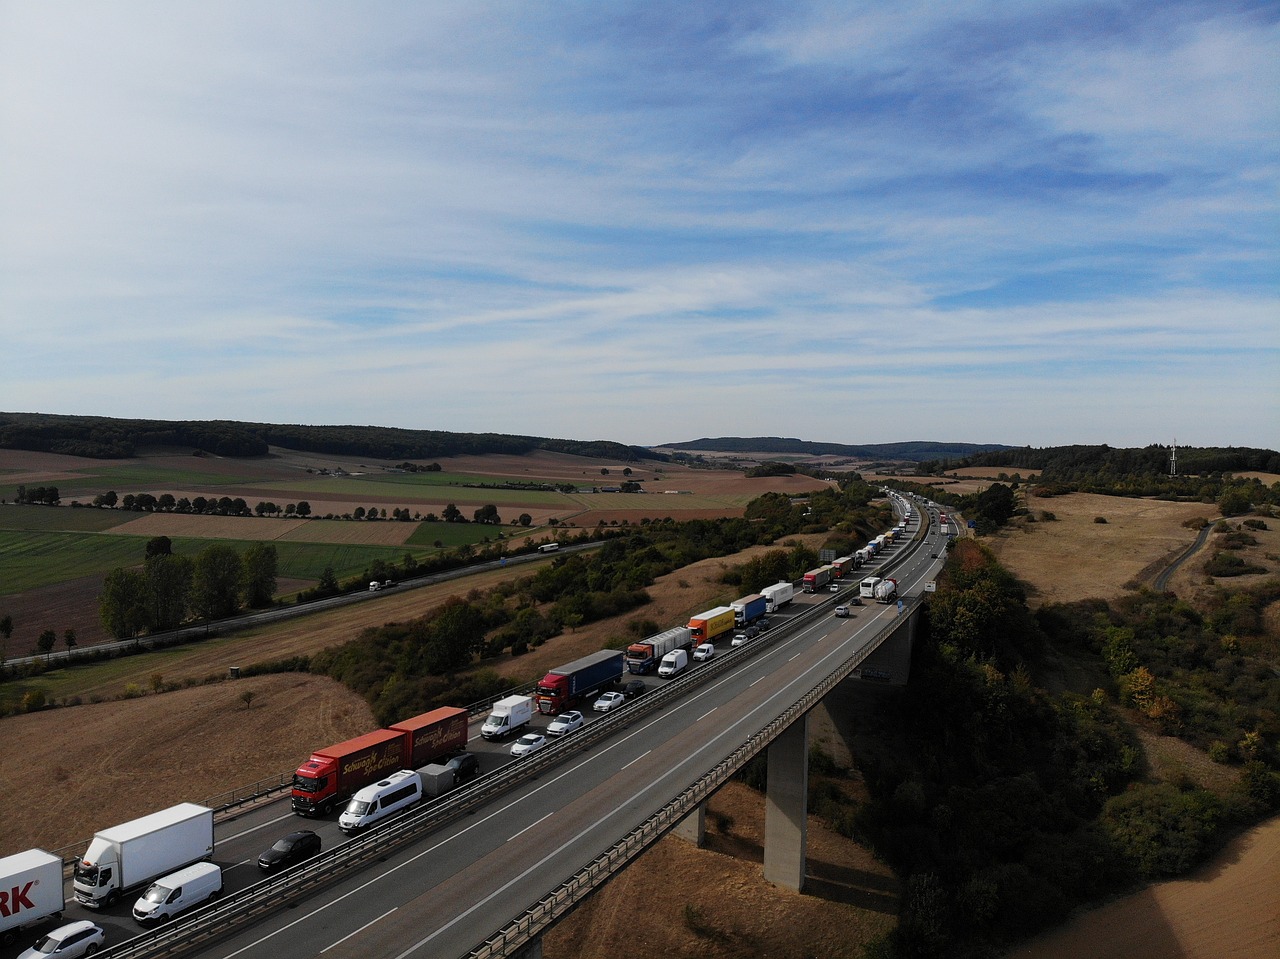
x,y
30,890
507,716
139,851
777,596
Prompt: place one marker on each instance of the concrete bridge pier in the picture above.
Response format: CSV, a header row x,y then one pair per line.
x,y
786,807
693,827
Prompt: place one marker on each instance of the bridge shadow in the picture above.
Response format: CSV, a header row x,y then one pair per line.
x,y
828,881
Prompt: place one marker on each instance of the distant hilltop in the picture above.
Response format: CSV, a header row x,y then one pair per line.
x,y
914,452
102,437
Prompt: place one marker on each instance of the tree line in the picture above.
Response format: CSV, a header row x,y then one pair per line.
x,y
169,588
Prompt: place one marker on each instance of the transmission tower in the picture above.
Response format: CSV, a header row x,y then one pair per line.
x,y
1173,458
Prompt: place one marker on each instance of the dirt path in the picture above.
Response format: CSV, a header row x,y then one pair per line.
x,y
1229,909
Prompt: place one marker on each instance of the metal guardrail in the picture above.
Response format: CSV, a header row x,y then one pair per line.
x,y
546,911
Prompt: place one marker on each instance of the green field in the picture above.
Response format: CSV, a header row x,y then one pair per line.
x,y
135,478
50,519
31,559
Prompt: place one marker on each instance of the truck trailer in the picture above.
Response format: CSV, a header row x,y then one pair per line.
x,y
432,736
141,850
566,685
30,890
706,626
841,566
748,609
333,774
777,596
815,579
644,656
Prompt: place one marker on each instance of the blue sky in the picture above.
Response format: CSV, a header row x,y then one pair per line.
x,y
1030,223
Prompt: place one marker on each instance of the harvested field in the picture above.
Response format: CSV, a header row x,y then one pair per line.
x,y
1073,557
70,772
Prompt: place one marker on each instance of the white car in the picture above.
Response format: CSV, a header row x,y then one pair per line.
x,y
528,743
81,938
565,723
739,639
704,652
608,701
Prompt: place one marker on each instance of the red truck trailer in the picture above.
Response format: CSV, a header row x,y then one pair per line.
x,y
432,735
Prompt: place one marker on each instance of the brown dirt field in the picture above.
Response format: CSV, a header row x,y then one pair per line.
x,y
111,761
1074,558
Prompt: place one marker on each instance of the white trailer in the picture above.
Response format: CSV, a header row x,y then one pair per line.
x,y
30,890
141,850
777,596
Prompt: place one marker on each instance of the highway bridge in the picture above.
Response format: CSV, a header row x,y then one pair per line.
x,y
486,870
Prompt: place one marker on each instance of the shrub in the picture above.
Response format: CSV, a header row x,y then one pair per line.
x,y
1100,519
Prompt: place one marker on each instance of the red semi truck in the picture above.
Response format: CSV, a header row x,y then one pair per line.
x,y
565,685
333,774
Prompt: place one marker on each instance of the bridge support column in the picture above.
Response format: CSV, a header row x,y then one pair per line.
x,y
693,827
786,807
890,663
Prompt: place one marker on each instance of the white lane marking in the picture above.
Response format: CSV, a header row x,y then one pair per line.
x,y
531,826
253,829
706,714
637,759
357,932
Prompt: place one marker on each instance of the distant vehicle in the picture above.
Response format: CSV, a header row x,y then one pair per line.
x,y
933,555
439,778
565,723
777,596
75,939
739,639
763,624
608,701
843,611
548,547
634,688
293,848
704,652
375,585
834,587
528,743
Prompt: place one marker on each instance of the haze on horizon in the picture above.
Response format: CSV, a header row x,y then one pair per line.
x,y
1042,224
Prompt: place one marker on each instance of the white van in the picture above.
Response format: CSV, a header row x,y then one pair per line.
x,y
673,664
177,892
373,803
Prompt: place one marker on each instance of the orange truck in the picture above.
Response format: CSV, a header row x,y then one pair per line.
x,y
705,627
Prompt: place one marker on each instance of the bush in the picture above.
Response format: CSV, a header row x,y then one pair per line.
x,y
1100,519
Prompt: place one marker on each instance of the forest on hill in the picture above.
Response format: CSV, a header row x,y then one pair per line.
x,y
101,437
914,451
1101,465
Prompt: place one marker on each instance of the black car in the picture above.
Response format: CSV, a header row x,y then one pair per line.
x,y
293,848
465,766
634,688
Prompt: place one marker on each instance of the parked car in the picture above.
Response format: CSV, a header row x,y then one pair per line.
x,y
81,938
292,849
704,652
528,743
565,723
634,688
608,701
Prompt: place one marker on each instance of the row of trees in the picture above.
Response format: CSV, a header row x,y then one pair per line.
x,y
169,589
